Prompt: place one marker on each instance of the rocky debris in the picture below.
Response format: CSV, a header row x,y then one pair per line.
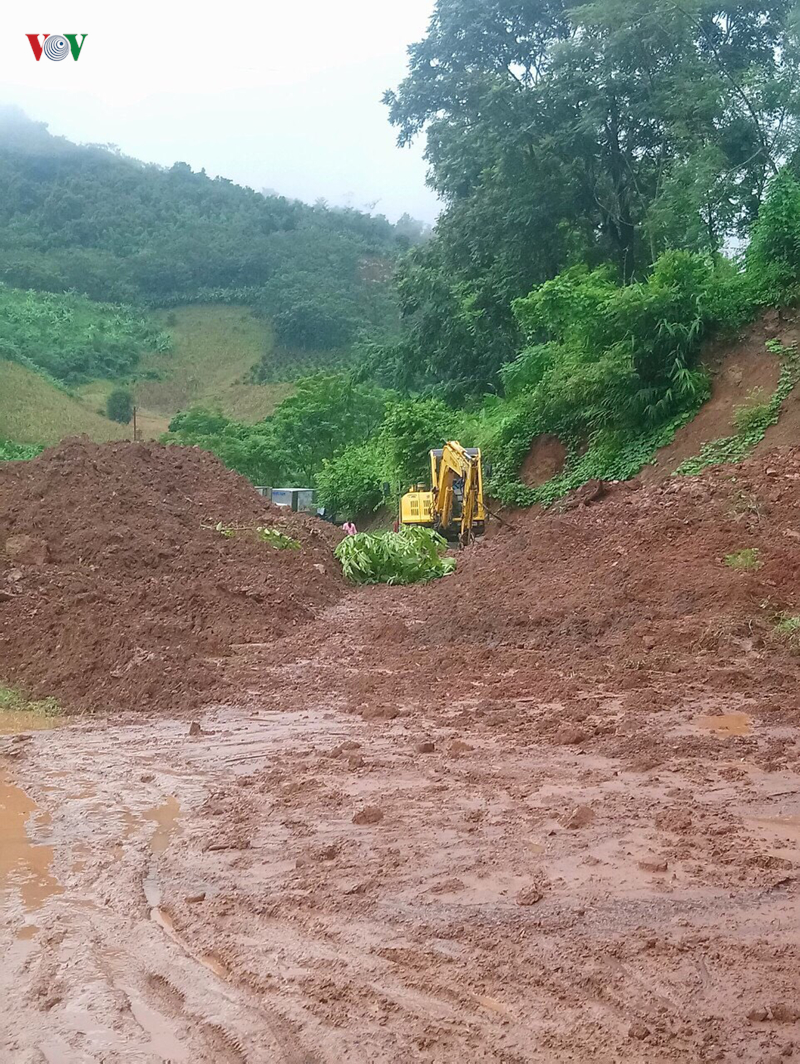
x,y
569,735
370,814
780,1012
653,865
578,818
458,748
530,895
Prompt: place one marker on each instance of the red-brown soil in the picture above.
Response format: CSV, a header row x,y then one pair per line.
x,y
545,810
545,460
137,594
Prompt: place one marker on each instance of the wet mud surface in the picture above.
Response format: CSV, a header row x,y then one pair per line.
x,y
547,810
306,885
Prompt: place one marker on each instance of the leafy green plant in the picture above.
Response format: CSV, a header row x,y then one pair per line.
x,y
68,338
773,256
748,559
278,540
410,556
273,536
14,700
752,415
350,484
14,452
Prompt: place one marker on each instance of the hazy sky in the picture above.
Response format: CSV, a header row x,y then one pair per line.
x,y
278,95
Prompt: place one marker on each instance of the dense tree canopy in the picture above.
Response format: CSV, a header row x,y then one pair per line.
x,y
603,132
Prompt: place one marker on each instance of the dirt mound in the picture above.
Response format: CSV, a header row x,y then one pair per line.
x,y
640,571
545,460
643,589
118,592
740,374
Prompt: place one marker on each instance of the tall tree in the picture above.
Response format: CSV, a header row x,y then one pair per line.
x,y
605,131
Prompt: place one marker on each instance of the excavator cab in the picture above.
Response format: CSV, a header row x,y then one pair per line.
x,y
454,505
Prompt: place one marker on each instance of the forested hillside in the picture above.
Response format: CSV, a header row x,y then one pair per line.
x,y
561,133
88,219
620,186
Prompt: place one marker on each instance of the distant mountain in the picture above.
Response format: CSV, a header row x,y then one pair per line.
x,y
89,219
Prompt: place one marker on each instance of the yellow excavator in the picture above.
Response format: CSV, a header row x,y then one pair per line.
x,y
454,505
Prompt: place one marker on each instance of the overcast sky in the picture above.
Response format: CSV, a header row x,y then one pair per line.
x,y
273,95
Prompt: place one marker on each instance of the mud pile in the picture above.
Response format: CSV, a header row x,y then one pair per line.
x,y
698,569
117,592
632,595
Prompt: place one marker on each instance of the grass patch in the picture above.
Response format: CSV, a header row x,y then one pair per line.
x,y
214,352
747,559
788,625
34,411
14,700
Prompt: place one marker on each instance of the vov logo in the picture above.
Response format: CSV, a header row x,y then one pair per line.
x,y
56,46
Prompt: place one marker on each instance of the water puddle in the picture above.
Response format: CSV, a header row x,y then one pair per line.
x,y
159,916
17,722
166,818
726,725
24,865
163,1042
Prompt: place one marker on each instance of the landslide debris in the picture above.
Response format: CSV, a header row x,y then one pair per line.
x,y
119,593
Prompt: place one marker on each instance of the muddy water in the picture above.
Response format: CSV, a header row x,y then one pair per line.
x,y
726,724
166,818
24,865
15,722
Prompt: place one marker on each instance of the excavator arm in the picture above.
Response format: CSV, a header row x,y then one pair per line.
x,y
457,462
445,503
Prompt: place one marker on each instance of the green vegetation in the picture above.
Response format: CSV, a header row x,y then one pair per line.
x,y
595,162
119,406
599,132
275,538
35,410
12,452
14,700
788,625
68,338
88,219
326,414
748,559
410,556
214,352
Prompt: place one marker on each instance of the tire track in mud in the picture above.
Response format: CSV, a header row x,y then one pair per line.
x,y
152,991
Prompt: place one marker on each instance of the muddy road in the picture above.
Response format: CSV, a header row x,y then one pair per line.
x,y
545,810
307,886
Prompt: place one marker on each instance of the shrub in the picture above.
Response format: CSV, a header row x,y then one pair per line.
x,y
773,257
350,484
119,406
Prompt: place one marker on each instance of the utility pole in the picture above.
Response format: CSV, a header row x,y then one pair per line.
x,y
135,434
